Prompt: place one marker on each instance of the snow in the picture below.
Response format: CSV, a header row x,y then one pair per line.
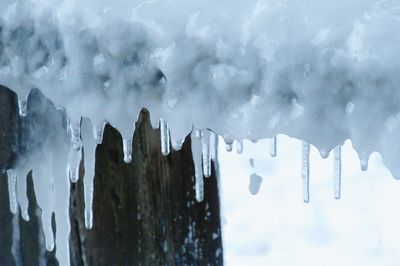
x,y
245,70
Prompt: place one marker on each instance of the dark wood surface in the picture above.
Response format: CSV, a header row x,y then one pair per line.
x,y
145,212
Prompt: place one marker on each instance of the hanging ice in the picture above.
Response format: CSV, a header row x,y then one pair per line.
x,y
22,106
74,160
21,173
272,147
213,146
239,146
305,171
206,154
337,171
165,137
98,131
127,148
198,169
75,127
228,144
89,149
12,191
177,144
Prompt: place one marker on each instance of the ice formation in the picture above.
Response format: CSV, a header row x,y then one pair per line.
x,y
239,69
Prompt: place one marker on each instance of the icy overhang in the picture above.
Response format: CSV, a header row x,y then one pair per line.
x,y
320,72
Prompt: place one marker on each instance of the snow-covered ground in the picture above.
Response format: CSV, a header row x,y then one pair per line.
x,y
275,227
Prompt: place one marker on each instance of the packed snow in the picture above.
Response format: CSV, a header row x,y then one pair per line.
x,y
319,72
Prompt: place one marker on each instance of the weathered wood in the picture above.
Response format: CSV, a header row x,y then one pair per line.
x,y
145,212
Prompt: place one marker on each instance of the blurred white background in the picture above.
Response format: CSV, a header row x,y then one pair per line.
x,y
275,227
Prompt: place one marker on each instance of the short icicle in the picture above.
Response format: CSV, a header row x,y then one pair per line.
x,y
197,161
272,147
74,161
127,147
206,154
239,146
228,144
98,131
305,171
165,137
22,106
337,171
89,149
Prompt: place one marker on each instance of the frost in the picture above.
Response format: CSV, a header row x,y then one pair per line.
x,y
242,71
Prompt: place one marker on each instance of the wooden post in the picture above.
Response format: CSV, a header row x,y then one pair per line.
x,y
145,212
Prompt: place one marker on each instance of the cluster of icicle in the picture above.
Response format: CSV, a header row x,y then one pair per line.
x,y
238,69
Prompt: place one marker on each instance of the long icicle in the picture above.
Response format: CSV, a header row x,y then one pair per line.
x,y
75,127
89,150
272,147
305,171
12,190
213,146
198,169
165,137
337,171
206,154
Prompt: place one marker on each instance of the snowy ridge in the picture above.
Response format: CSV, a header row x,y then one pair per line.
x,y
243,70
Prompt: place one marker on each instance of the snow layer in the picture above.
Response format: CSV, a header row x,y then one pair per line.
x,y
252,69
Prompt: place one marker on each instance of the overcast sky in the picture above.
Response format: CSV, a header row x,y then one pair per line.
x,y
275,227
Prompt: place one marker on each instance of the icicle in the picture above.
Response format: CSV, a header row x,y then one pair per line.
x,y
239,146
75,126
228,144
197,133
89,146
41,240
47,229
43,182
12,191
177,144
127,147
305,171
197,160
213,146
165,137
23,106
272,147
22,196
74,161
337,171
61,207
98,131
205,140
324,154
